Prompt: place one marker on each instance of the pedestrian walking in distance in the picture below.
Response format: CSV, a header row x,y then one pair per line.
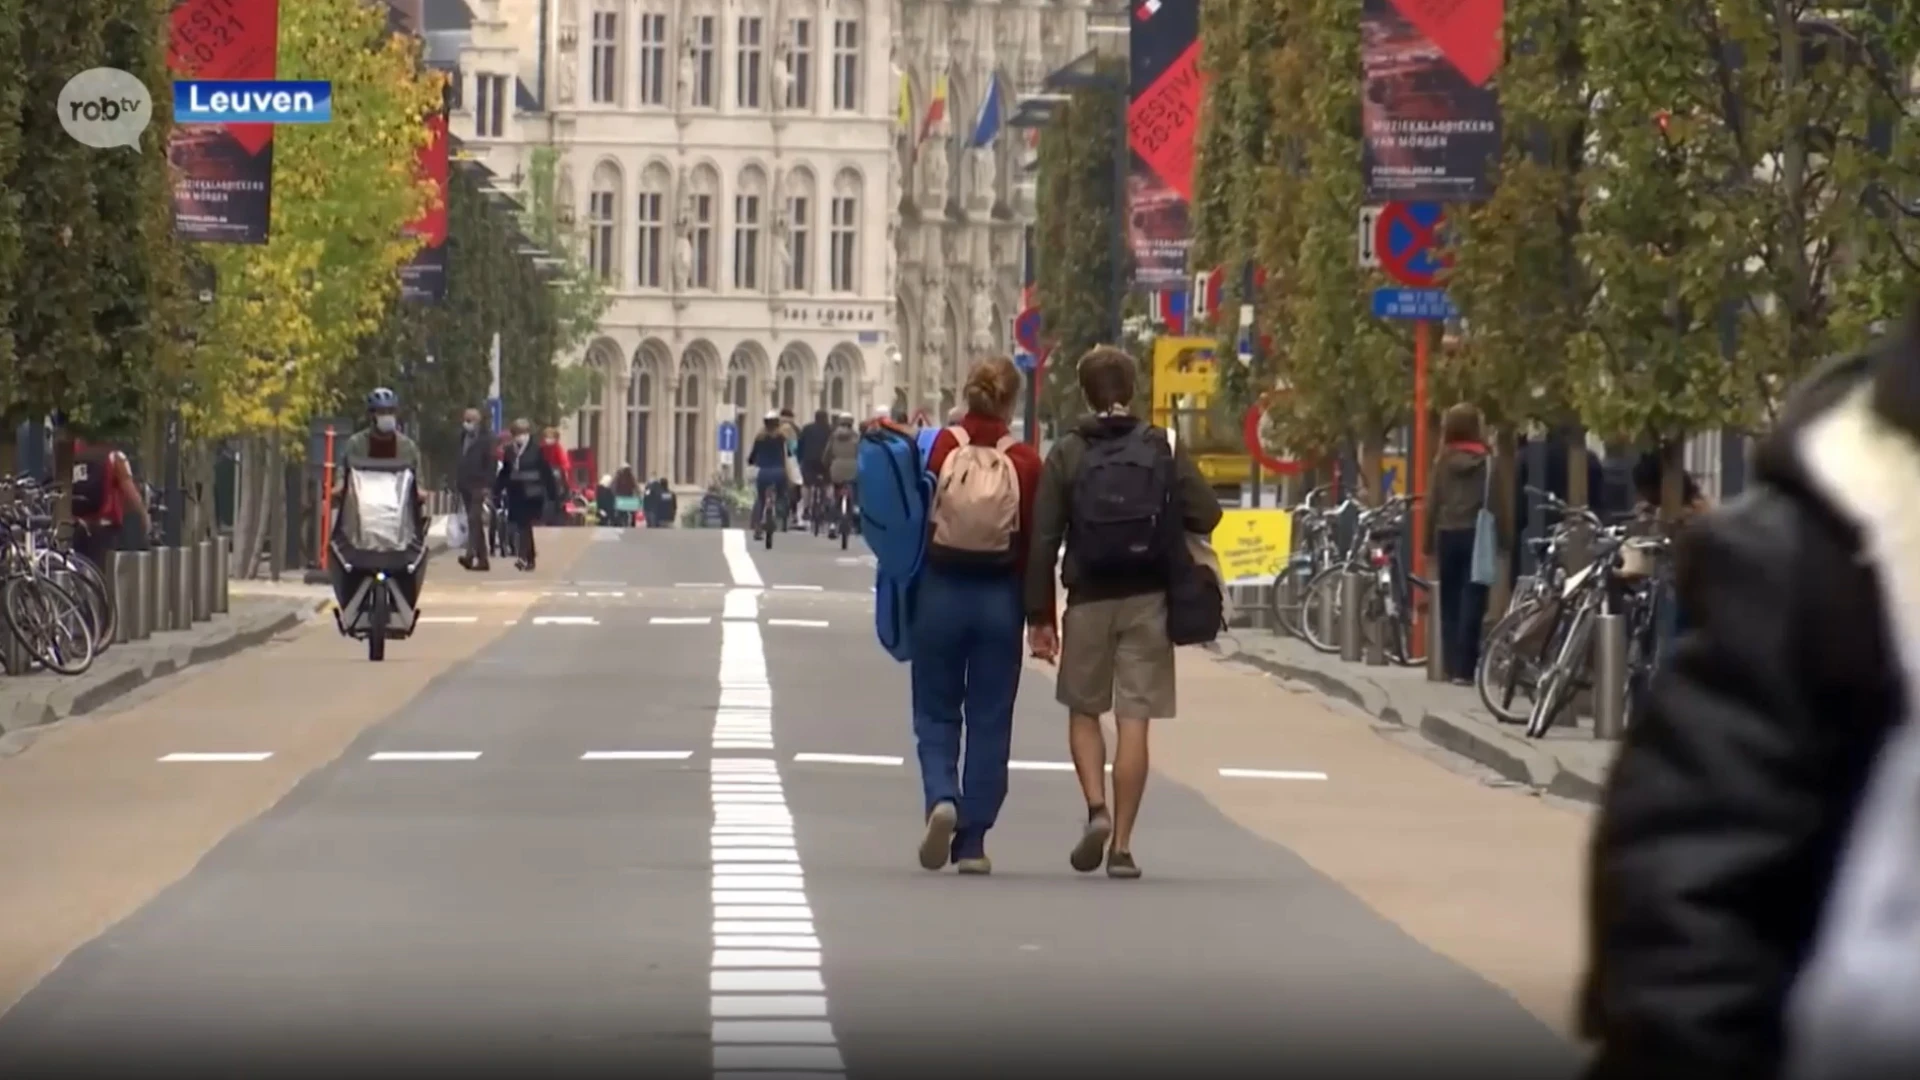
x,y
1117,493
1460,525
967,619
529,486
473,474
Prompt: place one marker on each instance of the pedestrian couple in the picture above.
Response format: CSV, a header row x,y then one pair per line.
x,y
1117,494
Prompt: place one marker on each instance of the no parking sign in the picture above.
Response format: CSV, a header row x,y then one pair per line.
x,y
1407,242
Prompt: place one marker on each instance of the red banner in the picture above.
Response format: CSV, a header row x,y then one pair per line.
x,y
223,173
1165,89
424,280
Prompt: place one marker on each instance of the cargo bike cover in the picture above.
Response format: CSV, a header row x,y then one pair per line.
x,y
378,526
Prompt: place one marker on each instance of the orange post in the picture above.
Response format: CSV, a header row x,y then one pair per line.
x,y
326,498
1421,332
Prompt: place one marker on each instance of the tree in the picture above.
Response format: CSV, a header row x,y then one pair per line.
x,y
579,296
289,314
12,86
1075,224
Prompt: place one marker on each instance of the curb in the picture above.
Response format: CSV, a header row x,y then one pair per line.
x,y
1477,740
57,703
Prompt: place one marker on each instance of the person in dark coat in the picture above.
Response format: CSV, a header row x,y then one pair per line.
x,y
1718,851
529,485
1457,493
473,474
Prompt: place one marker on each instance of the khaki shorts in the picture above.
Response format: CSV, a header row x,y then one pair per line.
x,y
1115,657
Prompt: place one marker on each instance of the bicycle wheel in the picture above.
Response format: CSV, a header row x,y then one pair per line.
x,y
1556,690
49,623
1322,590
377,623
1286,602
1404,646
1505,669
89,585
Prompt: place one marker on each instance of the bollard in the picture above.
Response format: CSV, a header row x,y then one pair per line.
x,y
1352,589
140,615
222,574
1610,677
204,583
165,565
1436,644
185,583
125,593
1324,608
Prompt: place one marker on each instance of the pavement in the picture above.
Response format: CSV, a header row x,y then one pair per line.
x,y
1568,762
650,810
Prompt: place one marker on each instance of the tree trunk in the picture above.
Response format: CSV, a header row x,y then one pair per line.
x,y
63,481
1673,480
1577,493
1506,462
1372,446
276,507
253,507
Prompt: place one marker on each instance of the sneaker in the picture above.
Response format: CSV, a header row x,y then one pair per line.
x,y
1120,864
1093,841
937,844
978,865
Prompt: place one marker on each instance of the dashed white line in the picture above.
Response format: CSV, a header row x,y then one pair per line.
x,y
636,755
212,758
728,1005
1272,774
742,604
812,623
733,545
1042,766
458,619
851,759
565,620
699,584
680,620
426,755
797,588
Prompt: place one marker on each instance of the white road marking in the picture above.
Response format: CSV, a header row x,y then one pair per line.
x,y
565,620
607,594
742,604
699,584
797,588
753,842
1042,766
757,881
743,744
215,757
636,755
736,798
761,911
766,941
730,1005
764,958
426,755
760,926
1272,774
815,624
793,1032
753,830
733,545
459,619
851,759
794,1058
681,620
791,982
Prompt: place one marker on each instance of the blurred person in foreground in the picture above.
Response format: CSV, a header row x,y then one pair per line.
x,y
1756,868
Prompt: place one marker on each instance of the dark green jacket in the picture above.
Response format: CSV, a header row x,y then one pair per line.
x,y
1199,511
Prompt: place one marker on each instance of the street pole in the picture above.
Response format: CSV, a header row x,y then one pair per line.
x,y
1122,164
1422,334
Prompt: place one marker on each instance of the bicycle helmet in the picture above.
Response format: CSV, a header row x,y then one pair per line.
x,y
382,399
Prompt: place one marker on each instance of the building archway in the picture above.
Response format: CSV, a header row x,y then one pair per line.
x,y
839,382
692,419
651,363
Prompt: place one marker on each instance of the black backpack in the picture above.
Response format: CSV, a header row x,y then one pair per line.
x,y
1121,498
1196,603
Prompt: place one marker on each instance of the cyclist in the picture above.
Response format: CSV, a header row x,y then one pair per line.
x,y
813,465
842,462
768,459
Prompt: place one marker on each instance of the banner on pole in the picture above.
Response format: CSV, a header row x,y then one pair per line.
x,y
1163,117
1430,114
424,279
223,173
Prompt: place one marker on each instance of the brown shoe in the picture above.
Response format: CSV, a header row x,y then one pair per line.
x,y
1120,864
937,844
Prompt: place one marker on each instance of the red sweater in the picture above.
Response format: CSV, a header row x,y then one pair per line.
x,y
986,431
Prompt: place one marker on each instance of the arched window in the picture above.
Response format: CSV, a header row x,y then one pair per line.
x,y
786,380
651,239
749,58
686,423
801,230
836,389
706,191
735,398
586,428
749,203
846,57
843,247
640,389
603,208
654,71
604,84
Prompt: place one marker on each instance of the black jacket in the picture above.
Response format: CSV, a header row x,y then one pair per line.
x,y
475,469
813,444
528,482
1726,811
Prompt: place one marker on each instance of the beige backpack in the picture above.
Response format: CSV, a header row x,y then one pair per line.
x,y
976,505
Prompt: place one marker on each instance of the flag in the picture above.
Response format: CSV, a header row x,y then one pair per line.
x,y
1170,310
987,127
937,109
906,104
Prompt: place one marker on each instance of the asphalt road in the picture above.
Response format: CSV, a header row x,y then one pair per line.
x,y
661,826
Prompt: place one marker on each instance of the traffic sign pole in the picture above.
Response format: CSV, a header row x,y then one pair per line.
x,y
1422,332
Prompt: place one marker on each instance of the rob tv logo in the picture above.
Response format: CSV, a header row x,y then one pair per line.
x,y
230,101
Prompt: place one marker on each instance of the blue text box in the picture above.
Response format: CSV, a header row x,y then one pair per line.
x,y
261,101
1429,304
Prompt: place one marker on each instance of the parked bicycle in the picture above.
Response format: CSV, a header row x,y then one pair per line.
x,y
1391,596
1520,645
42,588
1313,552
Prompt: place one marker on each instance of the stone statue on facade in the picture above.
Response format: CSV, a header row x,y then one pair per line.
x,y
683,260
782,250
689,56
982,314
933,328
934,168
783,71
986,172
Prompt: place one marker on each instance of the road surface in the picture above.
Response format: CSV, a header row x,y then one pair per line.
x,y
651,812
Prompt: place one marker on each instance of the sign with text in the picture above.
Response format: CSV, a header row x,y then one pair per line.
x,y
251,101
1430,305
223,172
1430,127
1164,91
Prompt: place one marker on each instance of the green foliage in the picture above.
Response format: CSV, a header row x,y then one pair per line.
x,y
12,87
580,297
1075,271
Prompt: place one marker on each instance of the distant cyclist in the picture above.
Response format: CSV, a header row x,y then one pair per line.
x,y
813,456
843,468
768,459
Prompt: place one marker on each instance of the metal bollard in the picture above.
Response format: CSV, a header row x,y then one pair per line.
x,y
139,617
222,574
1323,613
1352,590
185,583
1436,651
204,584
165,565
1610,677
125,591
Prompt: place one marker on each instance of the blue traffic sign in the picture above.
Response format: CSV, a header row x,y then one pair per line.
x,y
1026,330
729,436
496,413
1407,240
1430,305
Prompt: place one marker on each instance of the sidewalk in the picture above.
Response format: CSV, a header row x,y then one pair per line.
x,y
1569,762
31,700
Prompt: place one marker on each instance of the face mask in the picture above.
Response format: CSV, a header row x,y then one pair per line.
x,y
520,442
469,426
385,424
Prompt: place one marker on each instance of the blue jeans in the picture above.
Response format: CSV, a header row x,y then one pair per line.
x,y
766,480
966,639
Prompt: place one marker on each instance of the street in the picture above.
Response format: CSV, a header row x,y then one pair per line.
x,y
653,811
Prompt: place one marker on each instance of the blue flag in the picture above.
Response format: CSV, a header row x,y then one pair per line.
x,y
987,127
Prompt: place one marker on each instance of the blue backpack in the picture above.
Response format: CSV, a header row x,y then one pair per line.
x,y
896,496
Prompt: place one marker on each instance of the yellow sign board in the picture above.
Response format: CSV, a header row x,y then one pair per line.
x,y
1253,544
1183,366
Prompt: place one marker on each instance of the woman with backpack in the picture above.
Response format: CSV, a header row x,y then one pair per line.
x,y
768,459
969,620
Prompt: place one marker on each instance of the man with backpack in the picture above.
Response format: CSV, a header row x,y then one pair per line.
x,y
1121,498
